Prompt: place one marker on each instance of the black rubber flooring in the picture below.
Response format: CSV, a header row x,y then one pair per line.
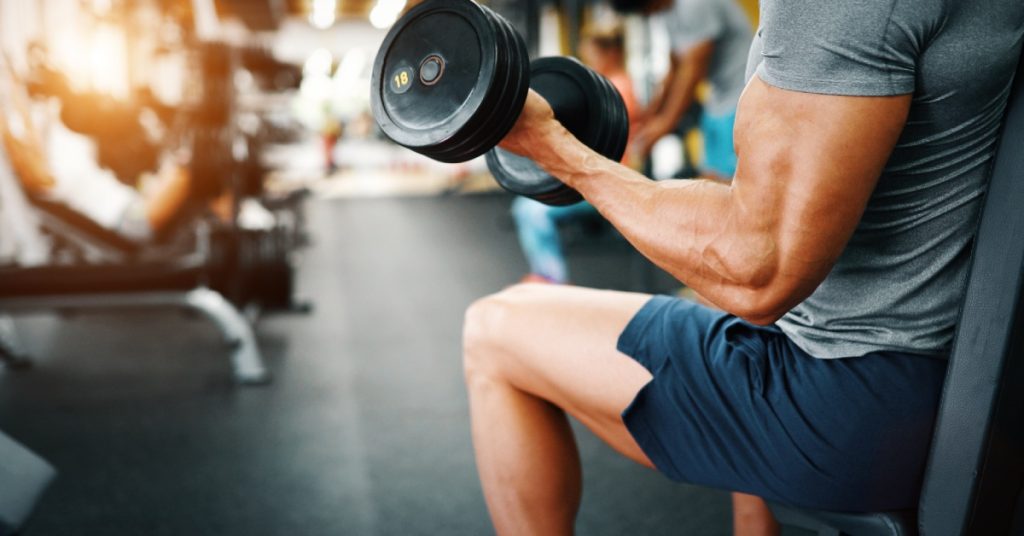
x,y
364,430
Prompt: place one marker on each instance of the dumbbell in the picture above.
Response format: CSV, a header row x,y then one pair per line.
x,y
450,81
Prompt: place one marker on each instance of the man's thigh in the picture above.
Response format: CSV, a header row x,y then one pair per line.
x,y
559,344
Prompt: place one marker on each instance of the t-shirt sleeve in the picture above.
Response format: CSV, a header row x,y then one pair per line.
x,y
839,48
694,21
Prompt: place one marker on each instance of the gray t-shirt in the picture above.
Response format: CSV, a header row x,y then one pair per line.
x,y
899,282
722,21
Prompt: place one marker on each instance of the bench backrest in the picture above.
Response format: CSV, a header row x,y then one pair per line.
x,y
975,474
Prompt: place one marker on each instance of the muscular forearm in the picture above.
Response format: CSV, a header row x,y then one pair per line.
x,y
698,231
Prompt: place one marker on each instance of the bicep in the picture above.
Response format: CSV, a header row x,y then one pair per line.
x,y
807,165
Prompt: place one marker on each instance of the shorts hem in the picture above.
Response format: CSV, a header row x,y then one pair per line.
x,y
646,439
632,336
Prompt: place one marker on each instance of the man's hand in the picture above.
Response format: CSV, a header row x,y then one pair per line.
x,y
535,122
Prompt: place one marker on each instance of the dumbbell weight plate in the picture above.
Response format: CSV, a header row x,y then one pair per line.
x,y
583,104
500,110
618,120
614,123
471,140
607,124
518,85
428,114
576,99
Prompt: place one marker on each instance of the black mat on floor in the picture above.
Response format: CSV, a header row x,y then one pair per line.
x,y
364,430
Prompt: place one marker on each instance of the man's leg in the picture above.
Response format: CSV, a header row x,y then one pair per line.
x,y
751,516
533,353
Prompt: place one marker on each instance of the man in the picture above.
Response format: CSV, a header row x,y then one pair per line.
x,y
709,40
838,252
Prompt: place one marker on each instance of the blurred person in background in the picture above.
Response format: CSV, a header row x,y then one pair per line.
x,y
330,133
62,165
603,49
332,94
710,40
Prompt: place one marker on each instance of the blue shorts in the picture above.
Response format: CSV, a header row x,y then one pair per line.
x,y
740,407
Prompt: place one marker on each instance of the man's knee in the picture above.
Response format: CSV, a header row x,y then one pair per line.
x,y
489,328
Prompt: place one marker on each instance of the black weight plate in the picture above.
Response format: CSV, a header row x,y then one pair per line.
x,y
617,127
618,122
623,122
609,117
509,94
518,86
423,116
562,197
576,98
606,122
471,141
570,89
520,175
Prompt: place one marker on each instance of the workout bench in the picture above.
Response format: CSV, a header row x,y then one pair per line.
x,y
177,282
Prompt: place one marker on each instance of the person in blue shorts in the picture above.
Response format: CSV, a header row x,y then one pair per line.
x,y
836,258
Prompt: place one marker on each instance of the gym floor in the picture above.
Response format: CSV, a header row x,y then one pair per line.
x,y
365,427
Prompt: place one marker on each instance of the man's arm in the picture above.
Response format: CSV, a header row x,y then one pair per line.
x,y
807,165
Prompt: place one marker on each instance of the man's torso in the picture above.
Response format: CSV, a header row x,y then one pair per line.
x,y
898,283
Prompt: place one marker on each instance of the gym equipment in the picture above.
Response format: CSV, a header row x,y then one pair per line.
x,y
25,477
122,142
212,162
254,267
450,81
587,105
214,70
